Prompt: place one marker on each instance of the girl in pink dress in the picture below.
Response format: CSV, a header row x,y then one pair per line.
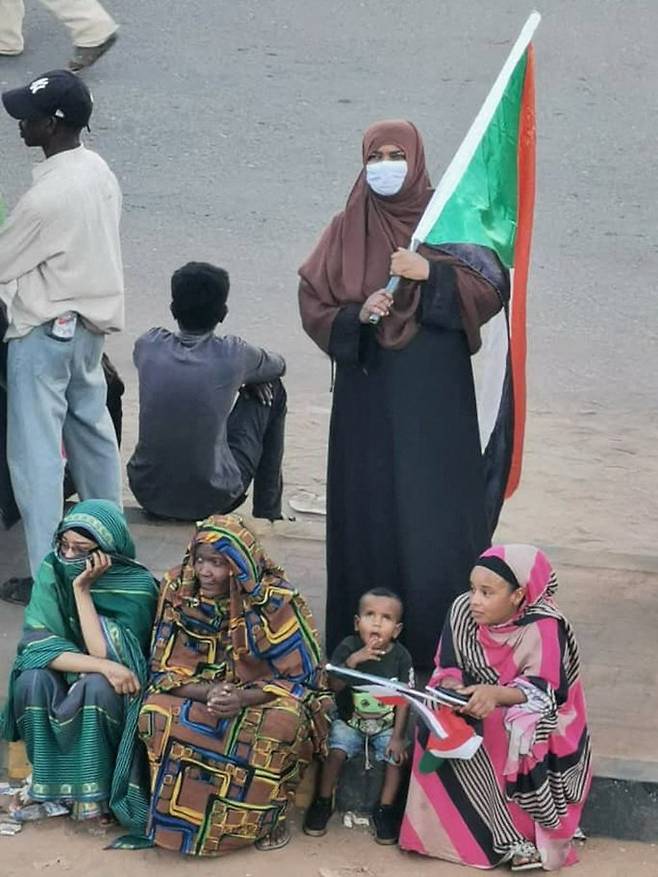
x,y
520,798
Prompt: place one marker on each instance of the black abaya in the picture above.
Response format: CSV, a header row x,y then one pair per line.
x,y
405,491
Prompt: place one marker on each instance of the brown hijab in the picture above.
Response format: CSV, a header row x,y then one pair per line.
x,y
352,258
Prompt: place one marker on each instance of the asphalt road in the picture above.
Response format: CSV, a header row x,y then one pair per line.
x,y
235,131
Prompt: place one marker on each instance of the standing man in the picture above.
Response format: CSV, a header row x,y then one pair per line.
x,y
61,279
92,29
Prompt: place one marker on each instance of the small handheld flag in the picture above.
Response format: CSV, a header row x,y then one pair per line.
x,y
450,736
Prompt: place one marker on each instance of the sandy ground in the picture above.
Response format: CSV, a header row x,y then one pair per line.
x,y
590,469
588,480
57,847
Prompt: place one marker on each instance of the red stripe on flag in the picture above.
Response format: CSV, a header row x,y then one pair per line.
x,y
526,204
391,699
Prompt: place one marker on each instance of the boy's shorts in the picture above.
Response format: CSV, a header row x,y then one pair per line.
x,y
352,742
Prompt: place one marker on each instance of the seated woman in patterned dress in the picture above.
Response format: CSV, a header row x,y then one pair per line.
x,y
235,710
520,798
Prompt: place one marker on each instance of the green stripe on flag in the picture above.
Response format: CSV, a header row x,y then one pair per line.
x,y
483,207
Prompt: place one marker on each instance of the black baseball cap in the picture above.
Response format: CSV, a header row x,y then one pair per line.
x,y
58,93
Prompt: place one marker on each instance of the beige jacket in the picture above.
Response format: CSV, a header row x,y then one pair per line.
x,y
60,249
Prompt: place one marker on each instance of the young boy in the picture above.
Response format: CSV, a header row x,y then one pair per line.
x,y
362,722
211,410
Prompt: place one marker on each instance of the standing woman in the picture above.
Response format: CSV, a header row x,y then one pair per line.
x,y
407,506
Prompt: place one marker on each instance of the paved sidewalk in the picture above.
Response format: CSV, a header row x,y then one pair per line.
x,y
612,600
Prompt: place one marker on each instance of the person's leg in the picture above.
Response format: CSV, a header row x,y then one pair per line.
x,y
331,769
384,816
115,390
255,437
393,773
268,480
319,813
344,742
38,369
89,23
89,437
392,779
11,27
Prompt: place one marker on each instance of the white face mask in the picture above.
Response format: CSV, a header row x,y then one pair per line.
x,y
386,177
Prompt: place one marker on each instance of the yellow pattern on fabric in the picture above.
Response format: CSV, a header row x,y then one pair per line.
x,y
220,784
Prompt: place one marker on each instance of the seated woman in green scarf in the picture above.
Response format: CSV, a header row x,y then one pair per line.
x,y
236,706
75,688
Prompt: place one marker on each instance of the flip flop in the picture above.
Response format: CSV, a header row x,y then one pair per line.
x,y
267,844
307,503
526,857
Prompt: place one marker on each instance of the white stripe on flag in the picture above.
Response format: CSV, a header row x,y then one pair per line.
x,y
489,368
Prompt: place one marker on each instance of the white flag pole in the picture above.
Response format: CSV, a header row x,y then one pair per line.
x,y
462,158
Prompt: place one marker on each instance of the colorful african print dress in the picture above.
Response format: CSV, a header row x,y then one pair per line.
x,y
221,784
530,779
80,736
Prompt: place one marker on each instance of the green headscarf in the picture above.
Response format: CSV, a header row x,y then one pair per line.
x,y
125,598
126,594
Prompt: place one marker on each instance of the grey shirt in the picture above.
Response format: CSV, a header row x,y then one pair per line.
x,y
182,466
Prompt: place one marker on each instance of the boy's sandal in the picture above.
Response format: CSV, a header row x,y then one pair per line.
x,y
278,838
526,857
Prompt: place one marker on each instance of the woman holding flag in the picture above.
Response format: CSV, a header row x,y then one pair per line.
x,y
409,504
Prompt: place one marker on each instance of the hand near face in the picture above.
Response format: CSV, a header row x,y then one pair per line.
x,y
97,563
224,700
413,266
372,651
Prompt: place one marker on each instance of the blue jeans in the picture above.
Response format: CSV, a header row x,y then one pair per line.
x,y
56,396
352,742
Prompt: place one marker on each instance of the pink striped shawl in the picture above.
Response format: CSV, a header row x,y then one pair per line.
x,y
546,755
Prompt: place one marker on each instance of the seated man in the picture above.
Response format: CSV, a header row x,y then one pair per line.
x,y
212,410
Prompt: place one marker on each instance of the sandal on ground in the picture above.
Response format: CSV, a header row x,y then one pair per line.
x,y
278,838
16,590
526,857
95,814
